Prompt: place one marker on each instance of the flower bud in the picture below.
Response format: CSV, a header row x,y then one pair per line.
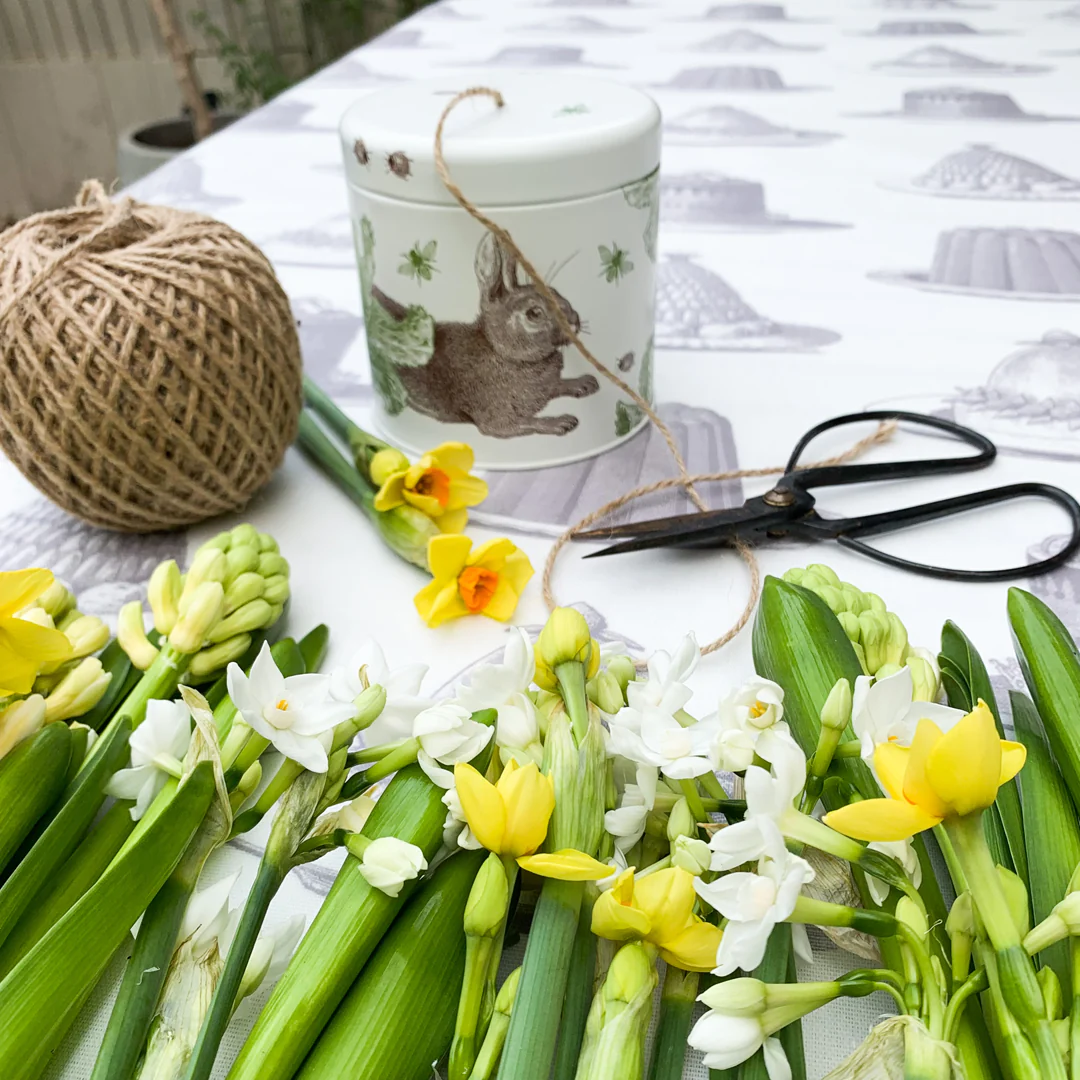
x,y
874,632
203,612
267,543
897,644
272,564
351,817
504,1000
222,541
833,597
1016,895
242,590
406,532
38,616
565,637
681,821
246,785
488,899
925,678
385,463
855,600
909,913
961,918
216,657
826,573
276,589
850,623
690,854
624,670
87,634
632,971
131,634
243,534
254,615
57,600
209,565
737,997
1053,999
78,691
20,720
241,559
605,692
163,594
836,712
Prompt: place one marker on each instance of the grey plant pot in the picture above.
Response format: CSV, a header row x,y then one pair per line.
x,y
141,149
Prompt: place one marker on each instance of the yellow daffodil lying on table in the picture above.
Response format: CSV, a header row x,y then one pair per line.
x,y
486,580
439,484
658,908
941,775
26,647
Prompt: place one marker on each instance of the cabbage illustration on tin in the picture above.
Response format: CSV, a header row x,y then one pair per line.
x,y
644,195
392,343
629,414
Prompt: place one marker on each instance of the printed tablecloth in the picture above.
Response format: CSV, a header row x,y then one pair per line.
x,y
863,204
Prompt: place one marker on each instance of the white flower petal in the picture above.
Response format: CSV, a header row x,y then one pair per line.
x,y
776,1062
127,783
266,682
725,1040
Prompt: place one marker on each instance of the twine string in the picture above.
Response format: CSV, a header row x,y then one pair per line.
x,y
684,480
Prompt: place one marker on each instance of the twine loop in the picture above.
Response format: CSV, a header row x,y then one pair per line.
x,y
150,370
684,479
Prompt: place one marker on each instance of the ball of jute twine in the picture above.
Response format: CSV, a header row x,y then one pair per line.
x,y
150,371
684,480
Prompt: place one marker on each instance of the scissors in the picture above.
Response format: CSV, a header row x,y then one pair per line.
x,y
787,511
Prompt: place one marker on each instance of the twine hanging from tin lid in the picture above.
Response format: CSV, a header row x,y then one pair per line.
x,y
685,479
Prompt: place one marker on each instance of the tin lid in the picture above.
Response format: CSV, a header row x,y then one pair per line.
x,y
556,137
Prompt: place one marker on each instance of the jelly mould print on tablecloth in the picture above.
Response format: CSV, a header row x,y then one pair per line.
x,y
980,171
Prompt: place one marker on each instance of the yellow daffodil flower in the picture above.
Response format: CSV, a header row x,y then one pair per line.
x,y
658,908
439,485
509,817
565,637
486,581
25,647
941,775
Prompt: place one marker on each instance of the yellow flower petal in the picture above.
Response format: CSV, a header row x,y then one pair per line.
x,y
466,491
695,948
492,554
453,521
667,897
891,762
566,865
439,602
964,768
917,788
614,916
880,819
503,602
594,659
517,570
25,648
426,504
19,588
529,798
447,556
391,494
1013,756
482,806
453,455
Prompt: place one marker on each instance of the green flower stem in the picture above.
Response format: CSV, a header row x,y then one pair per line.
x,y
479,951
952,863
1014,1047
932,1003
268,879
391,762
363,444
666,803
571,676
709,781
808,830
662,864
976,983
676,1015
252,751
373,753
1074,1016
511,869
322,452
850,749
534,1022
578,998
693,800
487,1061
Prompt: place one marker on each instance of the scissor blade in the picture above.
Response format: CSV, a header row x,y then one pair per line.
x,y
711,529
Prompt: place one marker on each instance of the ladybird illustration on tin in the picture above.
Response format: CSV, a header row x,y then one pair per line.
x,y
361,153
400,164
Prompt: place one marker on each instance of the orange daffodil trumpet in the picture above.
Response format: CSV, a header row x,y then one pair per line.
x,y
440,484
658,908
940,776
510,818
26,647
486,580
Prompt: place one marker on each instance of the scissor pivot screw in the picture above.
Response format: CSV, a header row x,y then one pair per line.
x,y
779,497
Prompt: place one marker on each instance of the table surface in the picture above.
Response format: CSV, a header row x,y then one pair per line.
x,y
839,260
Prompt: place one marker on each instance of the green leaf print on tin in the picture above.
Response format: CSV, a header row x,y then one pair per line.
x,y
628,414
615,262
419,262
644,194
392,343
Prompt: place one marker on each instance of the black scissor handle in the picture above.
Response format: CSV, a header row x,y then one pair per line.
x,y
829,475
849,531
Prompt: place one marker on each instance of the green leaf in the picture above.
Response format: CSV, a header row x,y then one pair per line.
x,y
627,417
1051,829
967,684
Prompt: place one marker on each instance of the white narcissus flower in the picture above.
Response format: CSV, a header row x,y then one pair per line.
x,y
903,851
756,707
727,1041
455,828
770,796
157,747
448,733
270,957
754,903
650,736
296,713
627,823
388,862
208,919
402,686
665,688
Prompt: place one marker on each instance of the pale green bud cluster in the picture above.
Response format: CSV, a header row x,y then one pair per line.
x,y
78,691
488,899
605,692
237,583
878,636
20,720
691,854
681,821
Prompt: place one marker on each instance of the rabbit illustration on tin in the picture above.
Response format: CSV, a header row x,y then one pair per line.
x,y
501,370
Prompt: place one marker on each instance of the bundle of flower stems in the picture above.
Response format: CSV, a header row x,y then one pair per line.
x,y
638,840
